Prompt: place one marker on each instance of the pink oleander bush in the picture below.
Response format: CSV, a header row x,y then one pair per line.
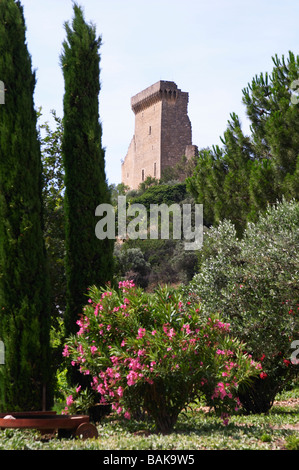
x,y
154,353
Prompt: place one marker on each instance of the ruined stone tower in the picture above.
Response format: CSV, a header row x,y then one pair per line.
x,y
162,133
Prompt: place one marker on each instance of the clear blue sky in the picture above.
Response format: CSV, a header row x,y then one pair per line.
x,y
210,48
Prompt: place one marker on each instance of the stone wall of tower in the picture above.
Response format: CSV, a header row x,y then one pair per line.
x,y
162,132
176,132
127,167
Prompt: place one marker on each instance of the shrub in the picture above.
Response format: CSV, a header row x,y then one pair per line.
x,y
131,262
152,353
162,193
253,282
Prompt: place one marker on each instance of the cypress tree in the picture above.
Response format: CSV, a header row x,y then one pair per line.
x,y
88,260
24,285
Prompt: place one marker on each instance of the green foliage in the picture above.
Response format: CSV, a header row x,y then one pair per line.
x,y
131,263
88,260
180,171
147,183
165,260
292,442
153,353
206,184
237,181
162,194
274,117
24,280
196,429
117,190
161,262
253,282
53,196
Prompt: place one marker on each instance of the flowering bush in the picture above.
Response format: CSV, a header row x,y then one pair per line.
x,y
153,353
254,283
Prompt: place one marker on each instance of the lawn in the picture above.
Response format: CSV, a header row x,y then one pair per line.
x,y
197,429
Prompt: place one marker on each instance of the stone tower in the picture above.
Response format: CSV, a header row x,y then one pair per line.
x,y
162,133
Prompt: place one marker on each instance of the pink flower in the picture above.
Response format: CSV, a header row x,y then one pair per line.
x,y
66,352
131,378
219,391
93,349
101,389
220,351
224,417
187,328
141,332
110,372
126,284
94,380
69,400
134,364
98,307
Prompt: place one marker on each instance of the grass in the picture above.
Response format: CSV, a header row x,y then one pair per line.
x,y
196,429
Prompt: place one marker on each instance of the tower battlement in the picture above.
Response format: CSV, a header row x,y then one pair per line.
x,y
162,132
154,93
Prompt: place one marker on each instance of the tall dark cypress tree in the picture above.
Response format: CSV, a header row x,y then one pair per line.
x,y
24,285
88,260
